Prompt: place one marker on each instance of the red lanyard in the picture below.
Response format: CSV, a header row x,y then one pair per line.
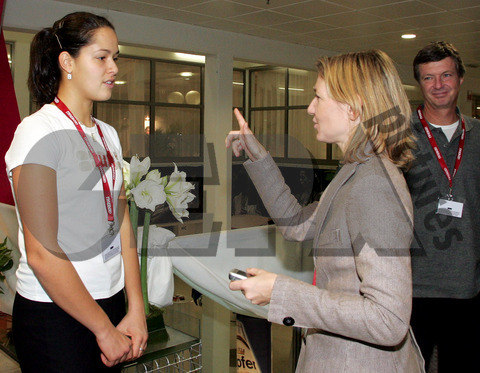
x,y
106,188
439,155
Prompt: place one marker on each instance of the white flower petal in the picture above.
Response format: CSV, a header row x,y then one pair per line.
x,y
138,169
155,176
148,194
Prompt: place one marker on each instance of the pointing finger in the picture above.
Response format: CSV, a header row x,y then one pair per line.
x,y
240,119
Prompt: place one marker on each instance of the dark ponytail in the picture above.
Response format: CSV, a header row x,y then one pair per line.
x,y
68,34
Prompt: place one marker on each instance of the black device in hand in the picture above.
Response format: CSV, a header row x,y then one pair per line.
x,y
237,274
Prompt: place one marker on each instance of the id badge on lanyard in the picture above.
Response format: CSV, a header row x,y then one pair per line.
x,y
111,245
446,204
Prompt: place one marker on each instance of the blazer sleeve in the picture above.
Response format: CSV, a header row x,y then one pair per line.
x,y
296,223
376,309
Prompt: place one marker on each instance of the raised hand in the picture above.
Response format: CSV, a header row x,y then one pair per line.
x,y
244,139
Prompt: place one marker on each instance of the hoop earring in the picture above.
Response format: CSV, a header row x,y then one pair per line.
x,y
69,76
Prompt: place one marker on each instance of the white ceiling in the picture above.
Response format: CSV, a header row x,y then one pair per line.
x,y
335,25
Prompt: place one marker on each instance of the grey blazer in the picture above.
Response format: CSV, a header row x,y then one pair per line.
x,y
358,313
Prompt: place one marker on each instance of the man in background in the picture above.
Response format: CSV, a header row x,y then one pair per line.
x,y
445,185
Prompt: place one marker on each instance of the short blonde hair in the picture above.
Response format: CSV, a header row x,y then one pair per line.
x,y
369,83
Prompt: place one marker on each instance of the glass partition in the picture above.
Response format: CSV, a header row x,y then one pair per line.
x,y
279,101
300,86
177,83
268,126
268,88
177,132
131,123
157,109
133,80
302,137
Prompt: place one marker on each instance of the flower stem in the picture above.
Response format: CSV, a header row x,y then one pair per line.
x,y
133,210
143,261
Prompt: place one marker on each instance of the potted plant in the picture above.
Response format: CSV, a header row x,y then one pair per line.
x,y
6,261
147,190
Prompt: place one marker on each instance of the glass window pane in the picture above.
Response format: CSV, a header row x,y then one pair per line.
x,y
302,137
177,132
269,127
238,84
177,83
476,106
300,86
235,126
268,88
133,80
130,121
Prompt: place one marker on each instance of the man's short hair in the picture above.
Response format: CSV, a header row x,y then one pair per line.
x,y
437,51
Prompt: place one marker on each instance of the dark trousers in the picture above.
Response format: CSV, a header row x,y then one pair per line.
x,y
49,340
453,325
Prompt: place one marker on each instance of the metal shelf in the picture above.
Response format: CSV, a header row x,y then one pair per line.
x,y
186,361
169,350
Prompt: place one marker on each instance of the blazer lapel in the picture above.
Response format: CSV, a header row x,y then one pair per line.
x,y
329,195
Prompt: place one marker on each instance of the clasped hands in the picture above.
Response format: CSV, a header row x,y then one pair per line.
x,y
125,342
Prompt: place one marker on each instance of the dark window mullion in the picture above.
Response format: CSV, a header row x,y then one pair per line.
x,y
153,82
287,101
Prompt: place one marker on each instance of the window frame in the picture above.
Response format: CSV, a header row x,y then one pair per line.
x,y
153,105
286,108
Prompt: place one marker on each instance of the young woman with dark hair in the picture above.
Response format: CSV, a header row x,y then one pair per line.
x,y
79,257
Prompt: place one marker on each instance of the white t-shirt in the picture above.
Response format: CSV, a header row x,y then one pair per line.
x,y
448,130
49,138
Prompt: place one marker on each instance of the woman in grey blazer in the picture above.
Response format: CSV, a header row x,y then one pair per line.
x,y
356,314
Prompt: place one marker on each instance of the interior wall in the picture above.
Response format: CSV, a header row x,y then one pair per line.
x,y
221,49
32,15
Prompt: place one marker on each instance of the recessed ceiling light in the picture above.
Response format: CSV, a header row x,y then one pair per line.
x,y
409,36
186,74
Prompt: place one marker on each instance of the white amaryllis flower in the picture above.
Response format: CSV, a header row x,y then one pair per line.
x,y
178,194
156,176
149,194
178,204
126,172
176,175
178,184
126,179
138,169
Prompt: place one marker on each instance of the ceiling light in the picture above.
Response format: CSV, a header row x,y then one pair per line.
x,y
190,57
409,36
120,82
292,89
186,74
409,87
